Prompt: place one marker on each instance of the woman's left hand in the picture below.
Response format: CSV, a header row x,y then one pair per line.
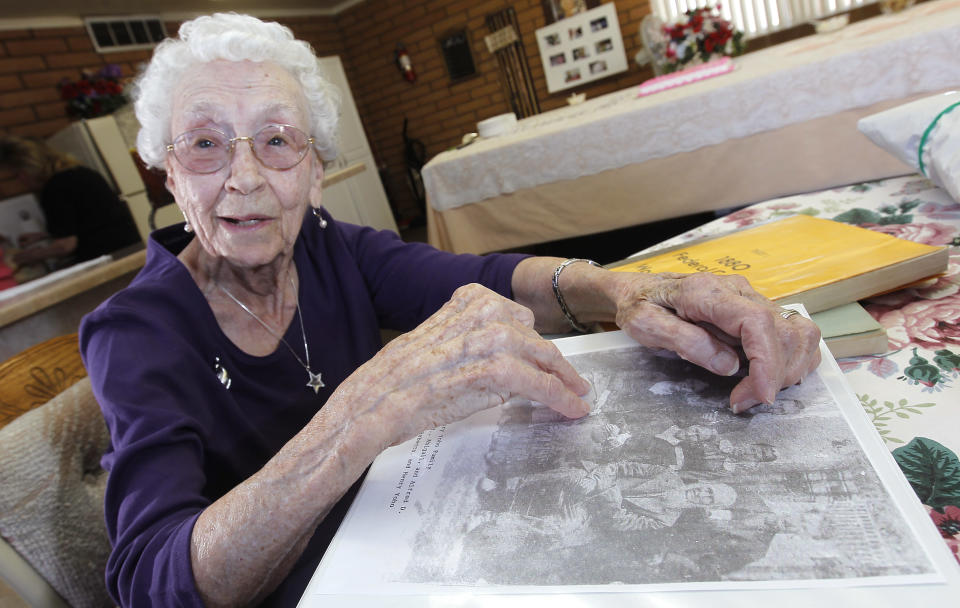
x,y
705,318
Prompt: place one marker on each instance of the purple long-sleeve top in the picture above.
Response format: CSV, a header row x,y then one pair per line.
x,y
181,438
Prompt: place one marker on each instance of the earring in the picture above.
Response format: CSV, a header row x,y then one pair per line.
x,y
320,220
187,227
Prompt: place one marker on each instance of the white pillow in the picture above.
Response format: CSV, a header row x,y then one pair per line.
x,y
934,123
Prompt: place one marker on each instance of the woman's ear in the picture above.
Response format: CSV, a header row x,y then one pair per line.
x,y
316,186
168,181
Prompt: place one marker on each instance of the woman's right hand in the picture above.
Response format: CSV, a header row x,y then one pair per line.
x,y
478,351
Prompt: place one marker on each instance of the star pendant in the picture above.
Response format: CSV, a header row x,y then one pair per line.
x,y
315,382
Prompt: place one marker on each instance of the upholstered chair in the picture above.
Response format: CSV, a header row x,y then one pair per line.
x,y
53,542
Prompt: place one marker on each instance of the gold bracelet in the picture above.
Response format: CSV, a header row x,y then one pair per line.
x,y
563,304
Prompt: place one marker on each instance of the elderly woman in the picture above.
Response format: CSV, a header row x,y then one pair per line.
x,y
241,373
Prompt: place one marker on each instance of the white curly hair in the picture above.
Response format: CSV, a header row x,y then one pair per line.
x,y
231,37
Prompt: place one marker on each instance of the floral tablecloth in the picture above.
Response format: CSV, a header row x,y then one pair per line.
x,y
911,392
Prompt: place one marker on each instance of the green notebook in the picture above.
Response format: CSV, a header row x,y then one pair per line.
x,y
849,331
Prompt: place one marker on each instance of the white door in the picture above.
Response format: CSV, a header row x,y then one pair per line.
x,y
364,191
353,139
370,198
338,201
116,154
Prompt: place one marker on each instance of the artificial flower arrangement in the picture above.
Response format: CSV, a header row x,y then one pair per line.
x,y
697,36
95,94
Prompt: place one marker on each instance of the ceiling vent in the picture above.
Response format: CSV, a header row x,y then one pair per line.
x,y
111,34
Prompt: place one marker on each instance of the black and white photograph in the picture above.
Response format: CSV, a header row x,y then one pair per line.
x,y
662,484
660,491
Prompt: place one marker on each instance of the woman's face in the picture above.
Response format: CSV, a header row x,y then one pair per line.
x,y
245,213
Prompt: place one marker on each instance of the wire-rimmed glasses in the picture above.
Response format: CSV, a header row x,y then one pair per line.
x,y
207,150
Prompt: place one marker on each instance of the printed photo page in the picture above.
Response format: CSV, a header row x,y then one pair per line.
x,y
661,493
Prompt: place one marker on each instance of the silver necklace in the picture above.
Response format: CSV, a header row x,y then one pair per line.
x,y
314,380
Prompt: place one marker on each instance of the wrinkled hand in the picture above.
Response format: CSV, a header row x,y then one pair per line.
x,y
478,351
703,317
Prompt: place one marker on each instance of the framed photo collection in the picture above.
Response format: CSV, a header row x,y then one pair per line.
x,y
582,48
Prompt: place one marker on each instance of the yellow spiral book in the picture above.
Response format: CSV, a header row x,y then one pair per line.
x,y
819,263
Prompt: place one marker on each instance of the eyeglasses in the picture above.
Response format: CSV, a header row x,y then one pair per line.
x,y
204,151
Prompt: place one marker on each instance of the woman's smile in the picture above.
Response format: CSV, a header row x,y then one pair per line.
x,y
245,221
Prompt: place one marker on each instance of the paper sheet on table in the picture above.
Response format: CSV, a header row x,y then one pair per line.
x,y
515,503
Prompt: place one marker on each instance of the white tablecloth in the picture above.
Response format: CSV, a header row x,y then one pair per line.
x,y
887,57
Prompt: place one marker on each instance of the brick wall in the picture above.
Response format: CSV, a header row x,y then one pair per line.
x,y
32,61
439,112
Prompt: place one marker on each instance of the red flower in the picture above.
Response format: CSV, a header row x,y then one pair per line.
x,y
744,217
954,545
94,94
947,522
931,233
924,323
698,36
847,365
69,91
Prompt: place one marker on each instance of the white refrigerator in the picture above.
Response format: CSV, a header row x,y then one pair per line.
x,y
103,145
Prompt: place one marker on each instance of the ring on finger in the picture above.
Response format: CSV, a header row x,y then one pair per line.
x,y
786,313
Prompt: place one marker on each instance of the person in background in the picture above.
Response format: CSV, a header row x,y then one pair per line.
x,y
85,217
242,374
